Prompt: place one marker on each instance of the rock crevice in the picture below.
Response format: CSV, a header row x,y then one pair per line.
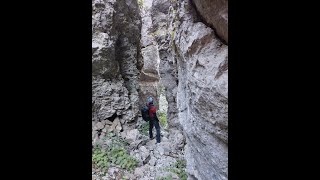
x,y
177,49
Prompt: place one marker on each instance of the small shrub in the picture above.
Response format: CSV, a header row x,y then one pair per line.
x,y
140,3
169,177
100,159
179,169
180,164
162,90
163,119
124,178
144,129
116,141
120,157
172,35
115,154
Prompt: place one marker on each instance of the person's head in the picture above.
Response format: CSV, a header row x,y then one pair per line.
x,y
149,100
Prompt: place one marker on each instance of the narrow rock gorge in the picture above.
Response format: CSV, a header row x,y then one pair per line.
x,y
177,52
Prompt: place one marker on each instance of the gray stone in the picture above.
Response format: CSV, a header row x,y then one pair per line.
x,y
104,130
108,122
215,13
116,125
143,149
161,150
152,161
164,139
98,126
144,153
132,135
139,171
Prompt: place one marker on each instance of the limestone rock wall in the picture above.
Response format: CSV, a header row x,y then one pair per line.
x,y
116,64
193,52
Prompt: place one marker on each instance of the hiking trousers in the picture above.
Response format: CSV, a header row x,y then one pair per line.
x,y
154,122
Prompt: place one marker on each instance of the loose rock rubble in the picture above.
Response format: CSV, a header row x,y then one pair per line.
x,y
153,158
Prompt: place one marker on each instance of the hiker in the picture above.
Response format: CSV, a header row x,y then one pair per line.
x,y
149,114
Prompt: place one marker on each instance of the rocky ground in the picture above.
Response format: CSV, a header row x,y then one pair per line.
x,y
155,160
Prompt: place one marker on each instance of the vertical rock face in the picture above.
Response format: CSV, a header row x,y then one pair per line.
x,y
149,79
116,29
194,69
215,14
202,95
162,30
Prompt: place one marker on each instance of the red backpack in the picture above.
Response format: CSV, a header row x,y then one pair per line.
x,y
152,111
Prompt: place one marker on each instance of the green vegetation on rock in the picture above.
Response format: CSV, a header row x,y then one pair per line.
x,y
163,119
140,3
179,169
114,154
101,159
169,177
144,129
115,157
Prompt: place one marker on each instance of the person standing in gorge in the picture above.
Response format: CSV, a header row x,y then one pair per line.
x,y
154,121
